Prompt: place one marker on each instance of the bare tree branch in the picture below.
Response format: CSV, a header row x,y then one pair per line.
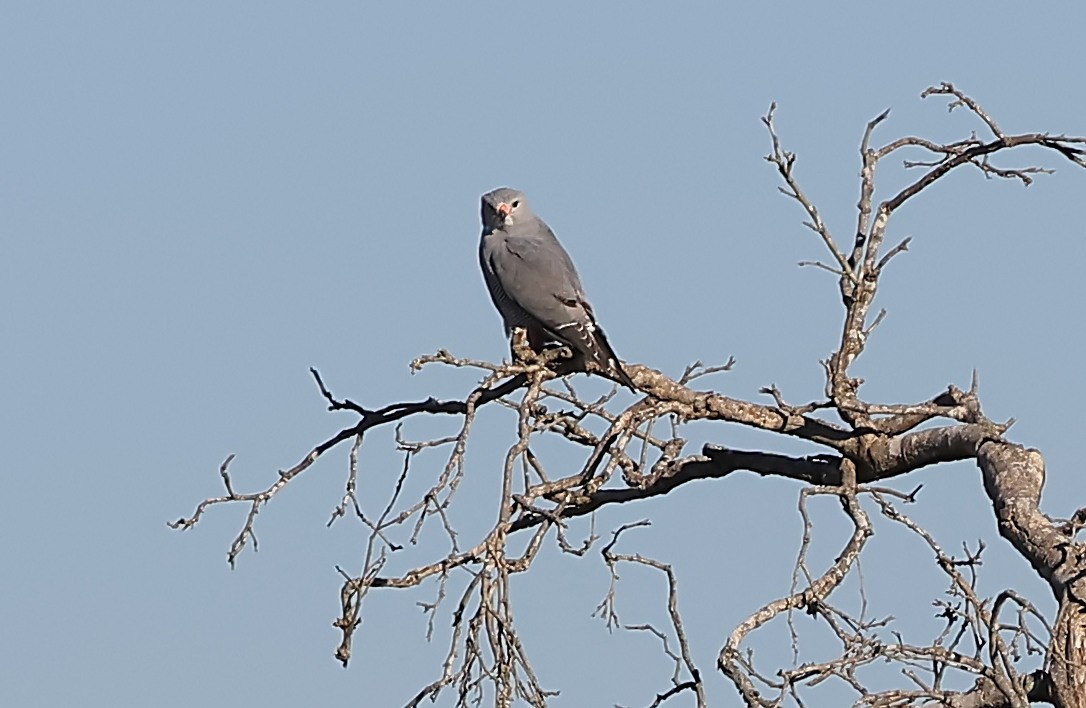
x,y
637,450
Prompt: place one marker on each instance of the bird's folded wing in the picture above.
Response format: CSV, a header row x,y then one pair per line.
x,y
536,274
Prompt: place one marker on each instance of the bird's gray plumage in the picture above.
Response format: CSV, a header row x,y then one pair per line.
x,y
534,284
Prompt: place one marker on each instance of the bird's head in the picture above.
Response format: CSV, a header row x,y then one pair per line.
x,y
504,207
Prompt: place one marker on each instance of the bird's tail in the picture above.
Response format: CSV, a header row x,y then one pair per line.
x,y
605,358
590,344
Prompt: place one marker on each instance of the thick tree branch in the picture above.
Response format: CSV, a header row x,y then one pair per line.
x,y
636,452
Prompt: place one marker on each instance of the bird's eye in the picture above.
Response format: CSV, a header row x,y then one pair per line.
x,y
516,203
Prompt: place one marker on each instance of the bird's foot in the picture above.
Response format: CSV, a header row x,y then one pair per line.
x,y
522,348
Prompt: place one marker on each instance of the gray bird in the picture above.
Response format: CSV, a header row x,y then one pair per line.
x,y
533,282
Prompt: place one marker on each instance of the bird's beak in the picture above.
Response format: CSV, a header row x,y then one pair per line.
x,y
504,209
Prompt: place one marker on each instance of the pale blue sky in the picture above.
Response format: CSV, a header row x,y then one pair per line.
x,y
200,200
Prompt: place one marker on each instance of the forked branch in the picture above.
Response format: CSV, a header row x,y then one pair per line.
x,y
636,450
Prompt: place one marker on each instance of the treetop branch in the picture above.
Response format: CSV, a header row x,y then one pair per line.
x,y
634,450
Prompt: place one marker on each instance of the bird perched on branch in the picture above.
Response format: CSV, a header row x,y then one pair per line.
x,y
534,285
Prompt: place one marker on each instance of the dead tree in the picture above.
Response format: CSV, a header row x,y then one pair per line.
x,y
636,452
